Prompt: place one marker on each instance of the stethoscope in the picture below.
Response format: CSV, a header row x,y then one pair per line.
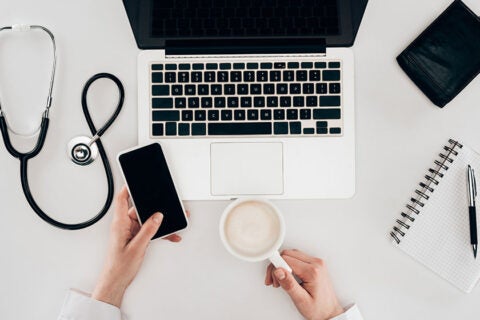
x,y
82,150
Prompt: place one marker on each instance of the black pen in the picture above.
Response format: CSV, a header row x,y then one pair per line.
x,y
472,211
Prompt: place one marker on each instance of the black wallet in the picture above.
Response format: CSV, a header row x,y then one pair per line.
x,y
445,58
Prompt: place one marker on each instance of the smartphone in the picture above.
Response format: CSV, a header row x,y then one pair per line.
x,y
151,188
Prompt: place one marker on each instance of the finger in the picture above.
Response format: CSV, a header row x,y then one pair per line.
x,y
147,231
174,238
132,213
290,285
188,213
268,275
299,255
122,201
300,268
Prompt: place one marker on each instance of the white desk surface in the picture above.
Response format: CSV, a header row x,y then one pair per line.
x,y
398,134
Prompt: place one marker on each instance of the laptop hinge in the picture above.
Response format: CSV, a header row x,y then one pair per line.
x,y
246,46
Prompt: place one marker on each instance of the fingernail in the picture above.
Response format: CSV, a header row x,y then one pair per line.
x,y
158,218
279,274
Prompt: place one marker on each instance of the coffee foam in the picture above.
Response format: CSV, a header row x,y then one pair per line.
x,y
252,228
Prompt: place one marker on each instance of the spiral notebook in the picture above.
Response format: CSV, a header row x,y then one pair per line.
x,y
434,228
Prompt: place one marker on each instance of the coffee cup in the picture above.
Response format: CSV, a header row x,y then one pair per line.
x,y
253,229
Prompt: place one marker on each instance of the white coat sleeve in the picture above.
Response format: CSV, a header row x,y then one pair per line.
x,y
352,313
80,306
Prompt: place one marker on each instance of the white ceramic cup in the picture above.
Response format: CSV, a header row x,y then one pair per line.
x,y
272,253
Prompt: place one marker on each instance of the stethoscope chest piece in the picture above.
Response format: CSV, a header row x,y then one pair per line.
x,y
82,150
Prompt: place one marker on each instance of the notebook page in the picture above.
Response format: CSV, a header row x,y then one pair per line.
x,y
440,236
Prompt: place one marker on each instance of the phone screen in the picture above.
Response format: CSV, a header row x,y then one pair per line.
x,y
151,187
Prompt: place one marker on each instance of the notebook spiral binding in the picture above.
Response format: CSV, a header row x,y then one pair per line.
x,y
432,179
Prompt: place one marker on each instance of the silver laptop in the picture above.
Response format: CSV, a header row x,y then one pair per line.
x,y
249,97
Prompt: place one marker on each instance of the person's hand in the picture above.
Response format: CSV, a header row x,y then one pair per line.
x,y
127,245
315,298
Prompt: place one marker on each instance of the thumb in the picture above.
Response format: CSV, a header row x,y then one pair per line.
x,y
147,231
291,286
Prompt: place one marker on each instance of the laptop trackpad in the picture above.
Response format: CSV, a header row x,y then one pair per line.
x,y
246,168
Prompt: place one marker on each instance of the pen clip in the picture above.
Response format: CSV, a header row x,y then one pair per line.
x,y
474,185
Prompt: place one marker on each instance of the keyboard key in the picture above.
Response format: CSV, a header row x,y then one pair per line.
x,y
272,102
314,75
268,89
236,76
308,88
199,129
334,65
212,66
197,66
157,66
232,102
222,76
322,88
162,103
320,65
292,114
157,77
196,77
171,67
171,129
295,88
312,101
279,65
259,102
193,103
242,89
279,114
335,88
330,101
322,124
252,114
200,115
326,114
245,102
183,129
255,89
216,89
229,89
248,76
293,65
225,66
159,90
187,115
203,90
285,101
335,130
177,90
252,65
254,128
262,76
184,66
322,130
282,88
266,114
209,76
298,101
170,77
183,77
239,66
288,76
307,65
266,65
220,102
180,103
296,127
301,75
206,103
305,114
190,90
213,115
166,116
157,129
281,127
239,115
226,115
275,76
308,131
331,75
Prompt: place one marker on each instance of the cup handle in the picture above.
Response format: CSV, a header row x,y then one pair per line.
x,y
278,262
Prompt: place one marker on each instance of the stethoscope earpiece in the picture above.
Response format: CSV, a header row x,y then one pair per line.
x,y
82,150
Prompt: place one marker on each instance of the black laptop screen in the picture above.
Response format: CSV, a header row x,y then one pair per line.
x,y
183,19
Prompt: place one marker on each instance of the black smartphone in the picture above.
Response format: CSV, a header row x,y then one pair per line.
x,y
151,187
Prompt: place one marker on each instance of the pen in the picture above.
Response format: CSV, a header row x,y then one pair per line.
x,y
472,211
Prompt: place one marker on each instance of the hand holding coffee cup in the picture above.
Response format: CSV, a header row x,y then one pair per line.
x,y
253,230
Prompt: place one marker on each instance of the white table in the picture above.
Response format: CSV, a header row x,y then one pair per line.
x,y
398,133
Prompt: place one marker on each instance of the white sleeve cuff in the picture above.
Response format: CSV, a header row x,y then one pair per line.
x,y
80,306
352,313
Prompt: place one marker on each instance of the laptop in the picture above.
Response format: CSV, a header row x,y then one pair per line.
x,y
249,97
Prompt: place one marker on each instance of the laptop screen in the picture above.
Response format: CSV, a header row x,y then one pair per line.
x,y
183,19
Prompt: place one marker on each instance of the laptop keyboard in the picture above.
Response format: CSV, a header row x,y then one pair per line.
x,y
246,99
238,18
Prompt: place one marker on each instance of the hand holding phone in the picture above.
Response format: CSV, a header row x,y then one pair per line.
x,y
152,189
